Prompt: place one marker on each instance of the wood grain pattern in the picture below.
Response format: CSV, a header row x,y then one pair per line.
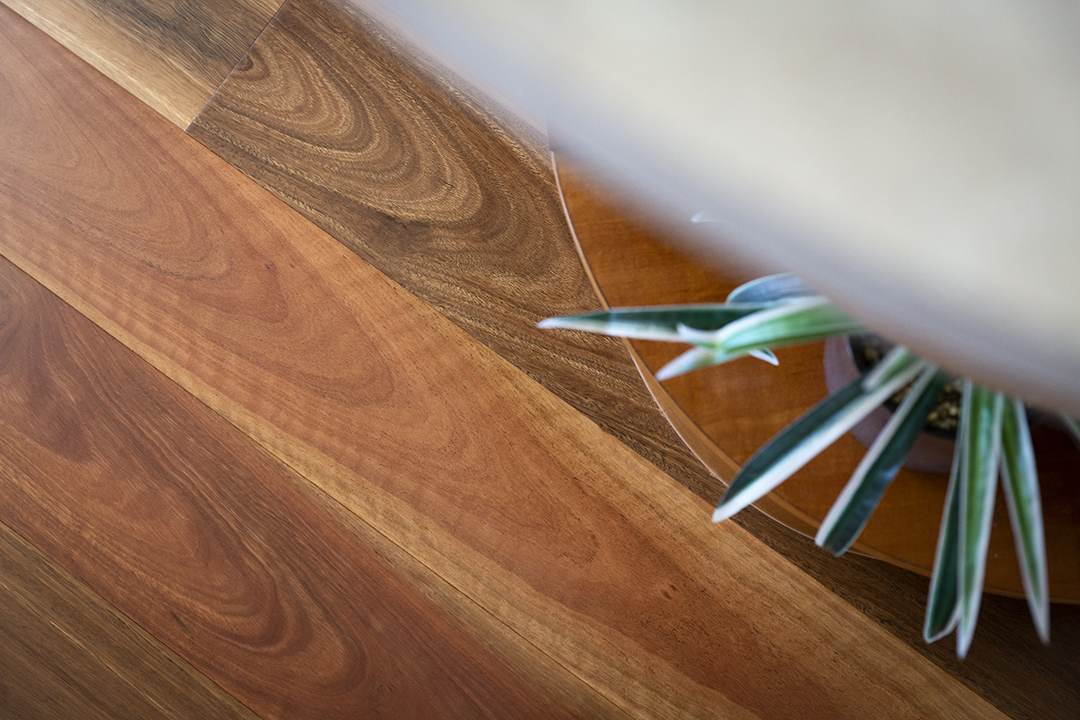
x,y
64,653
740,406
171,55
275,592
574,542
446,196
632,265
850,145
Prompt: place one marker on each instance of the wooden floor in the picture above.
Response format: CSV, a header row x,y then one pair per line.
x,y
279,438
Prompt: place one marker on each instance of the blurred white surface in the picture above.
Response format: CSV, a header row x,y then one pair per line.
x,y
917,161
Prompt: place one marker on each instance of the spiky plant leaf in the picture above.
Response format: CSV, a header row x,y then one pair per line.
x,y
693,359
765,354
815,430
1072,426
1021,484
792,322
943,602
783,323
699,357
981,414
771,288
655,323
860,497
704,338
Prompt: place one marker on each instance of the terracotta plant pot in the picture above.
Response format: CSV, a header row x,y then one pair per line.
x,y
931,453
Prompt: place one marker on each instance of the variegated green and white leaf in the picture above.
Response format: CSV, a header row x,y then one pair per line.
x,y
860,497
783,286
787,323
699,357
654,323
1072,426
943,602
981,415
780,310
1021,484
818,428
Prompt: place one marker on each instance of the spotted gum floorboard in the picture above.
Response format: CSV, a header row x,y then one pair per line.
x,y
65,653
448,196
585,553
244,569
171,54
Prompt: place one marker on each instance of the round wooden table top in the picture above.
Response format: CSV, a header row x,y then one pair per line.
x,y
918,162
725,413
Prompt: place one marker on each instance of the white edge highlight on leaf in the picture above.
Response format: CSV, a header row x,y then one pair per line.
x,y
953,489
1037,597
693,359
604,328
761,317
839,507
813,445
971,597
696,336
766,355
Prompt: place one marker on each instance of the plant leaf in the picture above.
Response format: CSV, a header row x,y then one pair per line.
x,y
943,602
693,359
981,413
860,497
815,430
785,323
702,357
704,338
1072,426
654,323
765,354
1021,484
771,288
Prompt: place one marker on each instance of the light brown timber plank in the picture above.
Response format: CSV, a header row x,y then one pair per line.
x,y
446,194
548,523
172,55
275,592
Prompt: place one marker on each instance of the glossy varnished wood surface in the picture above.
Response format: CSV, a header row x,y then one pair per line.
x,y
546,525
452,200
65,653
737,406
171,55
290,604
726,413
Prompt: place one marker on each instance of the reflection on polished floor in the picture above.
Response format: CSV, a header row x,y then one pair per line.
x,y
280,438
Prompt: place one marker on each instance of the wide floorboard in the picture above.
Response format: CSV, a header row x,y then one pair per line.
x,y
445,195
335,488
170,54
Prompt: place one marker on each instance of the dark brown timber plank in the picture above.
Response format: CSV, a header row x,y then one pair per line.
x,y
171,54
445,195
